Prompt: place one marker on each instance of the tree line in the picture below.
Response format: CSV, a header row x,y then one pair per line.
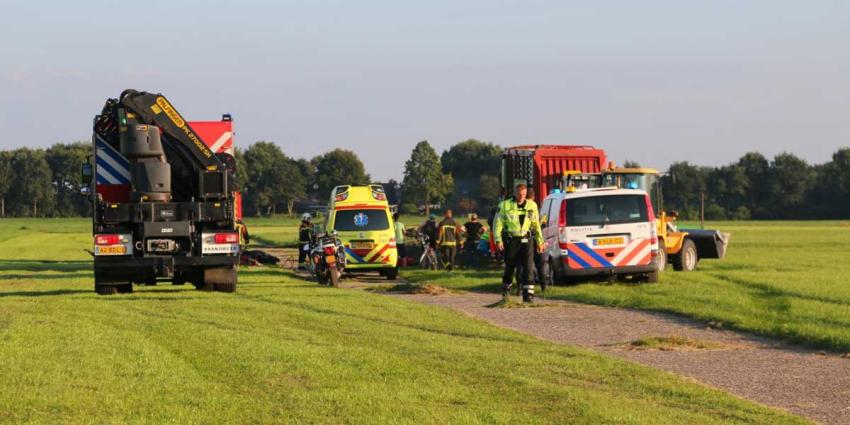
x,y
465,177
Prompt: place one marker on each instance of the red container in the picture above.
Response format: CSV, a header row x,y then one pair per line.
x,y
542,166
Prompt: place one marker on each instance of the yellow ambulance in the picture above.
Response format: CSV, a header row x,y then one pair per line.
x,y
361,217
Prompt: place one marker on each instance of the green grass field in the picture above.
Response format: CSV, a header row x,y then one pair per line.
x,y
285,350
787,280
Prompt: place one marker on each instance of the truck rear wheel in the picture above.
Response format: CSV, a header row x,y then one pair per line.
x,y
111,281
220,279
686,259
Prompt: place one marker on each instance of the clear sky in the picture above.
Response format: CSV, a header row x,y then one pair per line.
x,y
652,81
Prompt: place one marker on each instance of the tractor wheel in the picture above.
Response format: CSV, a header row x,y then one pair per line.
x,y
686,259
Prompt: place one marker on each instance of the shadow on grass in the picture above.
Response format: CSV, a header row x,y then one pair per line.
x,y
45,276
44,265
55,292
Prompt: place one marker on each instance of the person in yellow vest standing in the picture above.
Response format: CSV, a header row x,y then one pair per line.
x,y
516,223
449,234
399,241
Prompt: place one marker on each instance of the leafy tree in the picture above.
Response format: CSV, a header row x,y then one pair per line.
x,y
468,162
338,167
471,158
424,181
683,185
32,185
757,169
791,178
65,161
490,188
6,176
273,179
631,164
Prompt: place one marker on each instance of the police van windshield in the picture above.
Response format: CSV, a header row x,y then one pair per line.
x,y
610,209
361,220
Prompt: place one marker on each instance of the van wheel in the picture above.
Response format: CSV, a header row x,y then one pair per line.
x,y
686,259
652,277
661,259
392,274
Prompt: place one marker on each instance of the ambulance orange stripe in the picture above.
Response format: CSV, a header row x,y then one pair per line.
x,y
645,260
634,253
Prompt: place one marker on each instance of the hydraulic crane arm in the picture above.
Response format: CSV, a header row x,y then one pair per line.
x,y
155,109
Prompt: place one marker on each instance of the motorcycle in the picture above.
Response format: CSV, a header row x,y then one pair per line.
x,y
327,259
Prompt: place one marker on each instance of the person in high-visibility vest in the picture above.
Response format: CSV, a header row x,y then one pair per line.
x,y
399,241
305,238
449,233
518,222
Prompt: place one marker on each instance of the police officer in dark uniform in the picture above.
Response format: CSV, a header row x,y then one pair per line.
x,y
305,238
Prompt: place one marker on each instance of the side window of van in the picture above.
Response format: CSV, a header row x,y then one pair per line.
x,y
544,212
555,211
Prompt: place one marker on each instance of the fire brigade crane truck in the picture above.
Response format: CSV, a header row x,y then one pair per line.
x,y
163,206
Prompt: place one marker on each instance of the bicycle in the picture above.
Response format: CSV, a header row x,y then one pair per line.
x,y
428,260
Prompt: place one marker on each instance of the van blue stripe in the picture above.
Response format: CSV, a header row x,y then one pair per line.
x,y
354,256
578,260
593,254
121,179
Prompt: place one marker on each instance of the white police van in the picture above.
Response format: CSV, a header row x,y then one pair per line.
x,y
599,232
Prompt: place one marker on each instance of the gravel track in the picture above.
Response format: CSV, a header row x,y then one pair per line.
x,y
805,382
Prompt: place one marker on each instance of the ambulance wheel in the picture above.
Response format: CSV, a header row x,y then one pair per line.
x,y
661,259
392,274
686,259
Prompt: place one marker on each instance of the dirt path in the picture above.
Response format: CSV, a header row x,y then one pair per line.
x,y
805,382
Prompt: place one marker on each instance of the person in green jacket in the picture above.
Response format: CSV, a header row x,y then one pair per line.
x,y
516,223
399,241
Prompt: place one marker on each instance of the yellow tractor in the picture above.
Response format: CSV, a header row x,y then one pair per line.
x,y
681,247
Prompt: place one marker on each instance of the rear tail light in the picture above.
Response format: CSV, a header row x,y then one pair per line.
x,y
226,238
391,243
649,211
329,250
107,239
562,215
562,238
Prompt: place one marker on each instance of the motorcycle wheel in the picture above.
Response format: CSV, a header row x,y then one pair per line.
x,y
335,276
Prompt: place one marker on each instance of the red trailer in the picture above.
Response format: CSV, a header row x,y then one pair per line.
x,y
542,166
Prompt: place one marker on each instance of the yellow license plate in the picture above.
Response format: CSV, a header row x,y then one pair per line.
x,y
608,241
330,259
113,250
362,245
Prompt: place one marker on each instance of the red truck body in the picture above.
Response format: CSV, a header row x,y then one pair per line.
x,y
542,166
